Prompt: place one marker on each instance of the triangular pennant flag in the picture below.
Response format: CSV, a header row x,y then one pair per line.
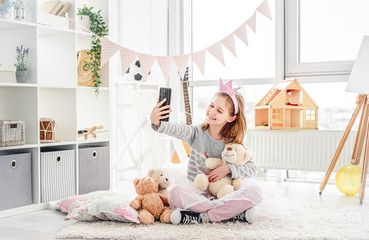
x,y
165,64
181,62
108,49
146,62
217,52
199,59
229,43
264,9
252,22
241,33
126,58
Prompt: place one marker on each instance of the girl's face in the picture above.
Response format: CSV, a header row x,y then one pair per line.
x,y
217,113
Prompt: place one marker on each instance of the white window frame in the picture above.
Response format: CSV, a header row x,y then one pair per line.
x,y
333,71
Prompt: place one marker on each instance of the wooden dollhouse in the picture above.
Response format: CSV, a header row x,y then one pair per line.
x,y
286,106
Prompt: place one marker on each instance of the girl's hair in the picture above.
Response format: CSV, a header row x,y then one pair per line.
x,y
233,132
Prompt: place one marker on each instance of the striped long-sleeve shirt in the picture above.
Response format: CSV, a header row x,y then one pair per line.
x,y
200,141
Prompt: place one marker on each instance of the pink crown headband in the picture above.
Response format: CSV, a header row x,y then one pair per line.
x,y
227,88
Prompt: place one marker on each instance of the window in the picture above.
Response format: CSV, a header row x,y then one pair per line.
x,y
212,24
254,64
323,37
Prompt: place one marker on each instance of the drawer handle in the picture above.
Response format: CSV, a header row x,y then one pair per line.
x,y
58,158
13,164
94,154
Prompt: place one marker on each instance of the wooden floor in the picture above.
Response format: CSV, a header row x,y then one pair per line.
x,y
44,224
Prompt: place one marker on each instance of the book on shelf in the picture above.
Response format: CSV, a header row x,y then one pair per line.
x,y
48,6
64,9
57,8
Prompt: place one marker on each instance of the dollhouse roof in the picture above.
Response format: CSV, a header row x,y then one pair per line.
x,y
276,95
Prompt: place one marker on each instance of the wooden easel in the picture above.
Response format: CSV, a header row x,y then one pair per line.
x,y
362,134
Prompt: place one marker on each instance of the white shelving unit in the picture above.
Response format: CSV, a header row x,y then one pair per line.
x,y
52,90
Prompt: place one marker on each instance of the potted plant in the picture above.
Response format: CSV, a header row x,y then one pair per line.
x,y
21,65
98,27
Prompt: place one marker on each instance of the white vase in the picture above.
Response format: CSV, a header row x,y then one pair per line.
x,y
84,21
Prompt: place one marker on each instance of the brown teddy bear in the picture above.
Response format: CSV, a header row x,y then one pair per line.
x,y
163,182
233,153
151,205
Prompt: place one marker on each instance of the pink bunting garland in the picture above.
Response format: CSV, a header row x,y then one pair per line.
x,y
216,51
199,59
127,56
146,62
181,62
165,62
241,33
229,43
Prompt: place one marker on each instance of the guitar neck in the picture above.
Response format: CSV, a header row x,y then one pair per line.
x,y
187,102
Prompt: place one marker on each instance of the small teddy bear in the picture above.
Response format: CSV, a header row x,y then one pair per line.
x,y
234,154
163,182
151,205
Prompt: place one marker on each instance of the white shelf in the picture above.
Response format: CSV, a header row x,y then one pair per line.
x,y
89,141
92,88
44,29
51,86
23,209
56,144
25,146
52,90
30,85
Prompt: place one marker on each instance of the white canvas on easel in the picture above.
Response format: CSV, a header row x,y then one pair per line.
x,y
359,80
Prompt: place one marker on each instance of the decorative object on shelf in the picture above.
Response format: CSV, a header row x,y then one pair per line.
x,y
286,106
134,72
57,8
48,130
84,71
5,5
7,74
12,132
19,10
21,65
348,179
91,131
100,29
52,13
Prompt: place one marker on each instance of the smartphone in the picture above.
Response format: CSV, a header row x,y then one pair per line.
x,y
165,93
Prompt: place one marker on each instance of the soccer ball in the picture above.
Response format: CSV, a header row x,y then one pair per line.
x,y
134,72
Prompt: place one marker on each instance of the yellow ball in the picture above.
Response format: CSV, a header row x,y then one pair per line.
x,y
348,179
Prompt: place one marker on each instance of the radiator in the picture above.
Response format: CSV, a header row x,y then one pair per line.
x,y
299,150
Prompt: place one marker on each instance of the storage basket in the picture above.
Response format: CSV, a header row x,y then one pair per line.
x,y
12,133
7,74
58,176
15,180
94,169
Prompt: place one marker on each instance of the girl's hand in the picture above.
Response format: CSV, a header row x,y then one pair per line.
x,y
219,173
158,110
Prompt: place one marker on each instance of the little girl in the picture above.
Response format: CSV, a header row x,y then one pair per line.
x,y
225,123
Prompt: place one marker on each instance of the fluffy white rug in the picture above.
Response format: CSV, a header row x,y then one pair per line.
x,y
306,222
